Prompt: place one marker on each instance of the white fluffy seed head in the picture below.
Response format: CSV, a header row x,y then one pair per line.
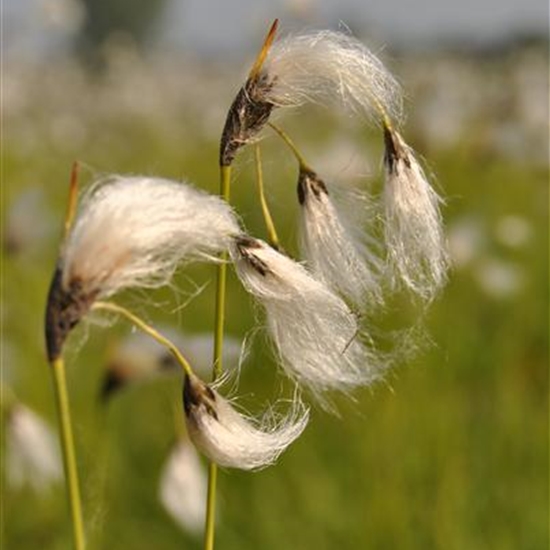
x,y
133,231
229,438
416,247
32,454
316,335
327,67
334,241
183,487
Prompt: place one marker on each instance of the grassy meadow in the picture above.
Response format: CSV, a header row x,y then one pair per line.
x,y
450,453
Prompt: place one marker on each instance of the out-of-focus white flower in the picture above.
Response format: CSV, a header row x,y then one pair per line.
x,y
334,240
499,279
28,222
316,335
132,232
466,241
139,357
229,438
417,253
513,231
33,457
183,487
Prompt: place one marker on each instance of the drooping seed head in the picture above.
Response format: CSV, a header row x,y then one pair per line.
x,y
316,335
334,241
416,248
229,438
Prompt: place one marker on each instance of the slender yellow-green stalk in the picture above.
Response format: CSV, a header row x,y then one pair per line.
x,y
67,446
270,226
62,400
148,329
286,138
219,322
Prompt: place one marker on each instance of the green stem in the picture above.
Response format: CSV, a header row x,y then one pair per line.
x,y
219,322
286,138
269,224
148,329
67,446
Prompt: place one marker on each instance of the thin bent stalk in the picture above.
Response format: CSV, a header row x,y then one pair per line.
x,y
148,329
219,322
67,447
269,224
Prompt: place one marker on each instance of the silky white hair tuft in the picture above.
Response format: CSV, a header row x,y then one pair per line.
x,y
229,438
183,487
416,248
334,241
325,67
133,231
316,335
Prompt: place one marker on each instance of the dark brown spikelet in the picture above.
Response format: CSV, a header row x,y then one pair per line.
x,y
247,115
64,309
393,151
244,244
196,394
309,183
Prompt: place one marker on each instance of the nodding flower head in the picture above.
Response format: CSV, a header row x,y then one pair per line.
x,y
316,335
229,438
323,67
415,242
131,232
334,241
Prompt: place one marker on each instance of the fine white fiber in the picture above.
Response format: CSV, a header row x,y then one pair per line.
x,y
133,231
316,335
335,243
327,67
231,439
183,487
32,454
416,248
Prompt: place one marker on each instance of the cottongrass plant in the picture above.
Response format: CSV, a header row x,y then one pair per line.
x,y
133,232
129,232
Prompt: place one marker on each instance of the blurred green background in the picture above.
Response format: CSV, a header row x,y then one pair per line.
x,y
451,453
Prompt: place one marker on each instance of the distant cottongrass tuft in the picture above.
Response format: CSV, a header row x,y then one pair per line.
x,y
328,67
416,246
335,244
315,333
132,232
183,487
138,357
33,457
229,438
